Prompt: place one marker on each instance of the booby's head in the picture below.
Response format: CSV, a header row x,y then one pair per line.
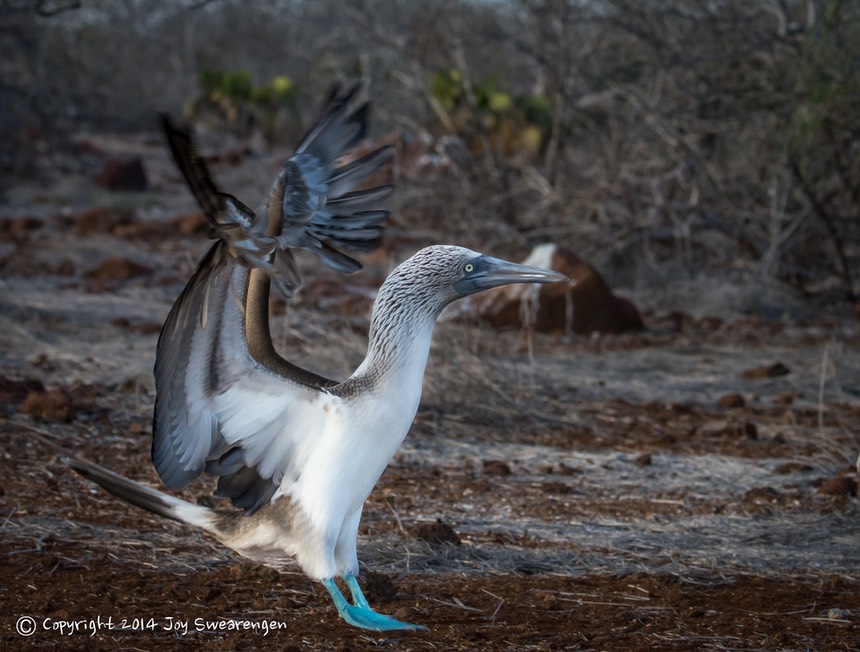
x,y
479,272
440,274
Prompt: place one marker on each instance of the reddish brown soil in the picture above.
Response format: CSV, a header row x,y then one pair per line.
x,y
637,611
72,554
691,487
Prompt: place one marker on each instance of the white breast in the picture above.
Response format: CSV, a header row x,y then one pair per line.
x,y
360,436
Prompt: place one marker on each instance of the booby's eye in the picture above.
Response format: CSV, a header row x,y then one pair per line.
x,y
468,267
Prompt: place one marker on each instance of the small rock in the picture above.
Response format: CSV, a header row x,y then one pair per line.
x,y
144,328
731,401
138,427
437,532
191,223
148,328
838,614
836,583
564,469
840,486
83,394
722,428
496,467
792,467
768,371
558,488
150,230
643,460
406,614
43,361
124,175
101,220
549,602
710,323
13,390
761,495
117,268
716,428
65,268
19,226
54,404
214,593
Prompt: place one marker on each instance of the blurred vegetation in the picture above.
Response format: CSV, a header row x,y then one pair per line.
x,y
661,139
824,132
487,116
229,100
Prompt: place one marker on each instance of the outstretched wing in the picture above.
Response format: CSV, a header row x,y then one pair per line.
x,y
226,402
321,209
244,232
216,408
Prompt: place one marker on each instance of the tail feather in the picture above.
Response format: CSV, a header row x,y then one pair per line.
x,y
145,497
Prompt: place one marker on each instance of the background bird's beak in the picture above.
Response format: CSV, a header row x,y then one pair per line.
x,y
493,272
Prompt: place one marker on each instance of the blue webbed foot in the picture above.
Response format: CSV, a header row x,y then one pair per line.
x,y
360,614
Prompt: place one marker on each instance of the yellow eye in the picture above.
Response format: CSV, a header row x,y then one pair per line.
x,y
469,267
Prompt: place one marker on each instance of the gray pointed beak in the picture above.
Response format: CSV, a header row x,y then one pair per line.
x,y
491,272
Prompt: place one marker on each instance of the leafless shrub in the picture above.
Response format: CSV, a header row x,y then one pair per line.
x,y
682,136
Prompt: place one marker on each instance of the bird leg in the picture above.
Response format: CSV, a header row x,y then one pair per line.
x,y
360,614
357,595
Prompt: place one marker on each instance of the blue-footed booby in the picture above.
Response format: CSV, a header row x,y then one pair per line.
x,y
300,453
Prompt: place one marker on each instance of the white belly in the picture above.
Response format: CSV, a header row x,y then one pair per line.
x,y
360,437
344,452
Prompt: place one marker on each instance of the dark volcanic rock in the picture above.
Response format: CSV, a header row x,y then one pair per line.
x,y
731,401
12,389
768,371
123,174
496,467
839,486
437,532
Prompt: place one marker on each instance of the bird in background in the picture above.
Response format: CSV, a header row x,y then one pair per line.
x,y
297,452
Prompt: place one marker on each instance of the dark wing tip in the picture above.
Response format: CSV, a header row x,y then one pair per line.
x,y
167,126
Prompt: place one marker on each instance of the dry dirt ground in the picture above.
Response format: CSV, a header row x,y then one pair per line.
x,y
687,488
